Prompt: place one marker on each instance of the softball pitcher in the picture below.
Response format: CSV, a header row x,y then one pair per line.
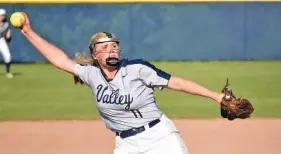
x,y
123,91
5,34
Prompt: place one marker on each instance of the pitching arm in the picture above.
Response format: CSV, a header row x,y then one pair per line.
x,y
52,53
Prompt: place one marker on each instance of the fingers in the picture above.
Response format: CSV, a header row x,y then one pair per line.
x,y
25,19
25,23
22,21
24,14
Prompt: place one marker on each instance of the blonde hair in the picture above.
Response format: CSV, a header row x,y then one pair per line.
x,y
83,59
97,37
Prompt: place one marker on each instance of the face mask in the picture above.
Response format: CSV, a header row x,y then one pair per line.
x,y
113,62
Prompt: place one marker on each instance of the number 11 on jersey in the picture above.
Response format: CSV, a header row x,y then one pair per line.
x,y
137,113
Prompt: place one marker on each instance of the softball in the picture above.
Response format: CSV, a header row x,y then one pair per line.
x,y
16,19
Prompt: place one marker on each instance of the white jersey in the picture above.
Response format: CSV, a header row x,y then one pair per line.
x,y
128,100
4,48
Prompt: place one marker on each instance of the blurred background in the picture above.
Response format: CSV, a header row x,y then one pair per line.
x,y
158,31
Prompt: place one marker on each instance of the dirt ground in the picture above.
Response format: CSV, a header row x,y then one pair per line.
x,y
253,136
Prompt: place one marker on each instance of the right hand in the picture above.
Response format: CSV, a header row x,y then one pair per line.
x,y
25,24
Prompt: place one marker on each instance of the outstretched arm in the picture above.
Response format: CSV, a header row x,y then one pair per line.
x,y
52,53
188,86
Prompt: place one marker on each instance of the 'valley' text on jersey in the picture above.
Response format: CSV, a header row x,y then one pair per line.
x,y
126,101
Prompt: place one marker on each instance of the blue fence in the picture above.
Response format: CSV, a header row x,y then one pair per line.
x,y
182,31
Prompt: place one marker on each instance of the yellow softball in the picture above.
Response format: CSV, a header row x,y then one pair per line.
x,y
16,19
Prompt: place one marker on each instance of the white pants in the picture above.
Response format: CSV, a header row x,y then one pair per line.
x,y
163,138
4,50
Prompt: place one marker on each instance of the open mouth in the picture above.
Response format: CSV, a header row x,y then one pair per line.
x,y
112,61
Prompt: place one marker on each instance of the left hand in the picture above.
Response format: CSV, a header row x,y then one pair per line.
x,y
232,107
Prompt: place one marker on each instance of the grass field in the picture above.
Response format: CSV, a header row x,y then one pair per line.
x,y
42,92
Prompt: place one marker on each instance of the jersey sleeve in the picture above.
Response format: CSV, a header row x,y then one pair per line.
x,y
83,72
152,76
